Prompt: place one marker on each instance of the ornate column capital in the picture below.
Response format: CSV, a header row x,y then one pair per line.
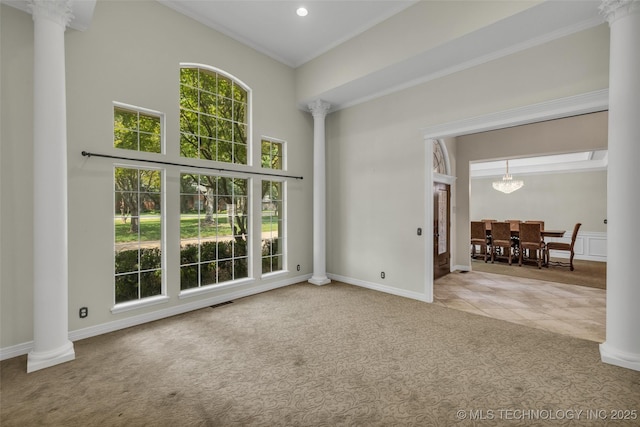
x,y
319,108
58,11
615,9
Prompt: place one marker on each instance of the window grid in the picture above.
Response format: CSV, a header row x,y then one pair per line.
x,y
273,236
138,233
137,129
272,154
213,230
213,116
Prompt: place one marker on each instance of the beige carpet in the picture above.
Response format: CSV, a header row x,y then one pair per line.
x,y
336,355
585,273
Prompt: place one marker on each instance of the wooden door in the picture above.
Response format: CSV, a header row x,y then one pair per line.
x,y
441,227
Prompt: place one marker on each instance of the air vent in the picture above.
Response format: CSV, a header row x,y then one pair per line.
x,y
221,304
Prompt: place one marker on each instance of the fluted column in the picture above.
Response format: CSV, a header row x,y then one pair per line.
x,y
51,344
622,345
319,111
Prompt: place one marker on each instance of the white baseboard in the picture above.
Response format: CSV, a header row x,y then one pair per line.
x,y
378,287
24,348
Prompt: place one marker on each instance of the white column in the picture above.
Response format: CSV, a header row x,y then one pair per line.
x,y
51,344
622,345
319,111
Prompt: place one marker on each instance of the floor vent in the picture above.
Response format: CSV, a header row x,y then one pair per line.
x,y
221,304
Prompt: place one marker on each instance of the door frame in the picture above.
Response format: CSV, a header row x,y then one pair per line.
x,y
585,103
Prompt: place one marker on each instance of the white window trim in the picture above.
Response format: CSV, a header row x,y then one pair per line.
x,y
143,110
156,299
284,151
249,105
285,265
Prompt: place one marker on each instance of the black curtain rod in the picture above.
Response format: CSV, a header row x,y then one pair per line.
x,y
88,154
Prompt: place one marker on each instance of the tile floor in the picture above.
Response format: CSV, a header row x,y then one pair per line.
x,y
572,310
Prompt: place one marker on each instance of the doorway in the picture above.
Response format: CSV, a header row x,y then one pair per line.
x,y
441,230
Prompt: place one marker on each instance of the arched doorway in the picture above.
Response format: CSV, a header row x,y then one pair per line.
x,y
442,182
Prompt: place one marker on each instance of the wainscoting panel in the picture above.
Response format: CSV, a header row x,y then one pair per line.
x,y
590,246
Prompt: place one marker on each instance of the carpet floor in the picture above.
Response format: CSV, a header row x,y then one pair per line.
x,y
336,355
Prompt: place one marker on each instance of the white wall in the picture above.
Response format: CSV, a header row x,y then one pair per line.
x,y
560,199
131,54
377,157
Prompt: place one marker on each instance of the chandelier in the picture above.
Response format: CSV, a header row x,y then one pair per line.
x,y
507,184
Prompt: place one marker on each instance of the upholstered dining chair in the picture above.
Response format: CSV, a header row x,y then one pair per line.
x,y
479,238
567,247
531,241
536,222
501,238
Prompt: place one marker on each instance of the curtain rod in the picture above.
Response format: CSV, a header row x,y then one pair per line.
x,y
108,156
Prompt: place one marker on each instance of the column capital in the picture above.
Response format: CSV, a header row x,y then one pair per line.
x,y
616,9
319,108
58,11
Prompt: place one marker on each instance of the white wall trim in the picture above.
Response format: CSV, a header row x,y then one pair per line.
x,y
378,287
79,334
590,102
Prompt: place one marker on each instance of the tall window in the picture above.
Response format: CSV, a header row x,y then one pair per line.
x,y
272,226
138,233
272,157
137,129
213,116
213,229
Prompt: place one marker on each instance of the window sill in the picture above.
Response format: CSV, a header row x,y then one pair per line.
x,y
187,293
275,274
134,305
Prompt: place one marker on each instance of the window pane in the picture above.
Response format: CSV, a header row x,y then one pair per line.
x,y
272,226
207,80
150,283
214,110
189,277
125,139
126,287
188,98
213,227
135,130
138,233
189,76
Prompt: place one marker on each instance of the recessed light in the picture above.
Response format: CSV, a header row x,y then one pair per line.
x,y
302,11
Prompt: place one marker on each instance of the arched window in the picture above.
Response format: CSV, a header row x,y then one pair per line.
x,y
439,158
214,115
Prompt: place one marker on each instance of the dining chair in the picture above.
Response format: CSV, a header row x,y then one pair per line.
x,y
567,247
515,230
501,238
487,225
536,222
531,241
479,238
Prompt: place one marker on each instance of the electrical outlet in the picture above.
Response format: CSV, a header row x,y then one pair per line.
x,y
84,312
298,267
382,275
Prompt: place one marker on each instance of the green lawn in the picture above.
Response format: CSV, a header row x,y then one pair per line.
x,y
150,229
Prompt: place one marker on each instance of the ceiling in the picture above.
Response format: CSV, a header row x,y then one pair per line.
x,y
584,161
274,28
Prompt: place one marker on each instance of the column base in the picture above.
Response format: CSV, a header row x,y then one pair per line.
x,y
319,280
619,358
46,359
